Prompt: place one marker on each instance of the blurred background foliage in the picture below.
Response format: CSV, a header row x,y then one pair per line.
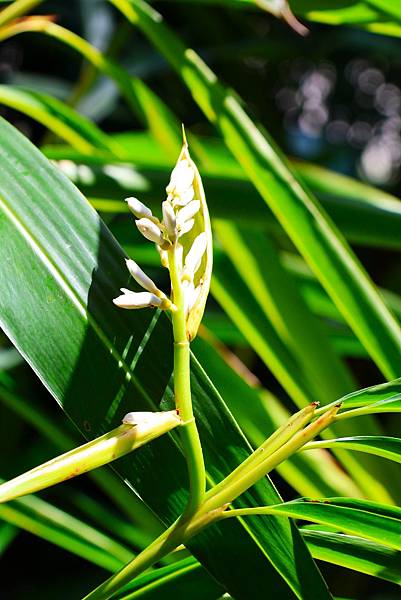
x,y
332,97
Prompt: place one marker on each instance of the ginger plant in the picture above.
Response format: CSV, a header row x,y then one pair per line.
x,y
184,242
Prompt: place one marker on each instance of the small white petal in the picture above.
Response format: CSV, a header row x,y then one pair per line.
x,y
194,297
188,212
169,218
137,207
141,277
137,300
185,227
194,257
150,231
184,198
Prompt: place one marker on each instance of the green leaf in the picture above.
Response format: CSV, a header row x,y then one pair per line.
x,y
59,118
384,446
366,14
378,522
140,98
184,579
382,398
7,535
100,363
301,216
255,258
354,553
58,527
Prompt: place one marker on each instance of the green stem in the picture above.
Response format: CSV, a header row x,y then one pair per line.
x,y
164,544
182,390
225,494
282,435
17,9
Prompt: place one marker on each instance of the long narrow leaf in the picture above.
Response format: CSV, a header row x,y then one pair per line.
x,y
384,446
354,553
377,522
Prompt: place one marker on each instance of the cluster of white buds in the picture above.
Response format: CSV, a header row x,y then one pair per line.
x,y
183,235
152,297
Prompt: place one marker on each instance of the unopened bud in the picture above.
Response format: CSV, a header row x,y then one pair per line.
x,y
181,179
134,300
185,227
188,212
184,198
169,219
194,257
141,277
150,231
139,209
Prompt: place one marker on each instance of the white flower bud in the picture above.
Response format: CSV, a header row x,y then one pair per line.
x,y
138,208
184,198
137,300
188,212
194,257
185,227
181,179
169,219
150,231
141,278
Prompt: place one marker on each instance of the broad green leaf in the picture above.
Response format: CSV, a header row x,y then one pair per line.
x,y
384,446
354,553
101,363
378,522
301,216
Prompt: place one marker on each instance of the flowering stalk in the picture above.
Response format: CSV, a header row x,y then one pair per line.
x,y
183,239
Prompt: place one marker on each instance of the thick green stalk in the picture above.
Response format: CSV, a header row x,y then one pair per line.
x,y
226,492
182,391
278,438
164,544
